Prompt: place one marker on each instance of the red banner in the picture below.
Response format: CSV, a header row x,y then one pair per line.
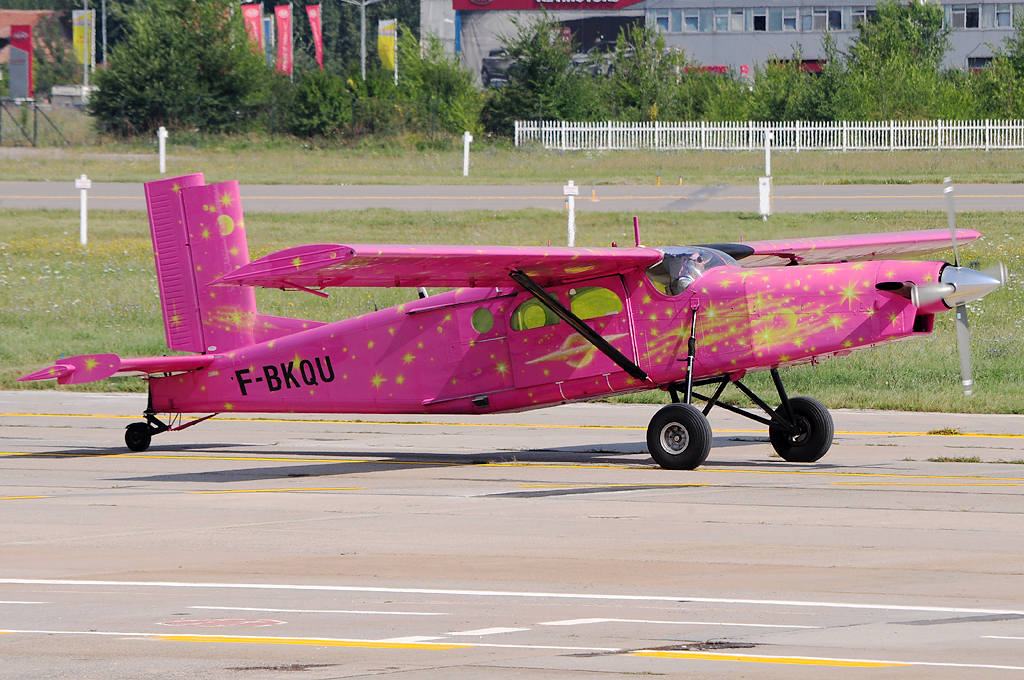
x,y
252,14
470,5
315,12
21,62
284,38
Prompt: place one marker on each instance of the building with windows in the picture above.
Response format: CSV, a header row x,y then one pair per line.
x,y
747,32
722,33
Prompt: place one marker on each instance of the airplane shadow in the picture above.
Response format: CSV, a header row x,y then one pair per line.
x,y
107,452
632,454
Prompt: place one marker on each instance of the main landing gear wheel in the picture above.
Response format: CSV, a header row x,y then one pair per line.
x,y
137,436
811,435
679,437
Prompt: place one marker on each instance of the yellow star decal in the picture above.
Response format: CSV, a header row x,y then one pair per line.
x,y
408,358
378,380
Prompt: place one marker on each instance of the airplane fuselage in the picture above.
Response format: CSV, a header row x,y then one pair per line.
x,y
485,350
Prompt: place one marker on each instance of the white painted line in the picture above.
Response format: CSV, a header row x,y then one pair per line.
x,y
1001,637
682,599
487,631
410,639
17,602
320,611
580,622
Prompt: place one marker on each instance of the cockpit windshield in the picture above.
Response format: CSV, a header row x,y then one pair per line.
x,y
682,265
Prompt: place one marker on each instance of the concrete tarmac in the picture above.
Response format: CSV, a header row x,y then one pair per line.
x,y
540,545
306,198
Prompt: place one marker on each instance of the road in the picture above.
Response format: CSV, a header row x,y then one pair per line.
x,y
538,545
855,198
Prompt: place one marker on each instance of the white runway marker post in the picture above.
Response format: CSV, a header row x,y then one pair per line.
x,y
84,184
466,139
571,191
161,136
764,184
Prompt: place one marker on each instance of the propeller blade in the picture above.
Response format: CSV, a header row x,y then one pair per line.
x,y
951,216
998,272
963,344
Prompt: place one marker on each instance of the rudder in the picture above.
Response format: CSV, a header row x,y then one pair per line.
x,y
199,235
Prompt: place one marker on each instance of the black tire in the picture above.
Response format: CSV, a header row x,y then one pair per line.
x,y
137,437
679,437
813,435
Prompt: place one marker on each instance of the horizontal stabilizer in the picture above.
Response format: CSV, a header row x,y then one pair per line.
x,y
853,248
93,367
384,266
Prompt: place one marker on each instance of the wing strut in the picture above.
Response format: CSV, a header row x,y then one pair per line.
x,y
577,324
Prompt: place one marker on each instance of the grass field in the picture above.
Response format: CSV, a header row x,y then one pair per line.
x,y
57,298
289,161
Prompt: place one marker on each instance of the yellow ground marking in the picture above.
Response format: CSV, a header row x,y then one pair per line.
x,y
539,426
793,660
471,463
613,486
311,488
257,459
19,498
920,483
309,641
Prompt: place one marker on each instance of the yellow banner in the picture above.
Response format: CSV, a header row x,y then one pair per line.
x,y
81,22
387,34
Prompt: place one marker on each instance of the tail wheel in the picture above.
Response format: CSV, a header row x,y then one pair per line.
x,y
811,435
137,436
679,437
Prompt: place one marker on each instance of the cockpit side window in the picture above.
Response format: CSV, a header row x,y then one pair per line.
x,y
682,266
532,314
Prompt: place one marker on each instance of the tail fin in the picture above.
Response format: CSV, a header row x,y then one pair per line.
x,y
199,235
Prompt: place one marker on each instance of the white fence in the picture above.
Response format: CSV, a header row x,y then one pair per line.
x,y
793,136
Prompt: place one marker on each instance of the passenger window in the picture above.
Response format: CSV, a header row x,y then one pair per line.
x,y
532,314
593,302
482,320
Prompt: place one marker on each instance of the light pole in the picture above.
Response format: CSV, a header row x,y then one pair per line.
x,y
362,30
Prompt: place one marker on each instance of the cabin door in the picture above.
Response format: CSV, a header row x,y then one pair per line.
x,y
545,349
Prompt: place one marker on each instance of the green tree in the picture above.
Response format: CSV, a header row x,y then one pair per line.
x,y
893,68
182,64
542,82
321,105
438,91
644,75
783,90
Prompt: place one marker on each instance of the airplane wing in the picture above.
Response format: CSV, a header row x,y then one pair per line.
x,y
851,248
93,367
325,265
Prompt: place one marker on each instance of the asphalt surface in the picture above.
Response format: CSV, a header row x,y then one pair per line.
x,y
538,545
305,198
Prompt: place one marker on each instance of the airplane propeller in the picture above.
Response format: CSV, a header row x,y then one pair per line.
x,y
966,284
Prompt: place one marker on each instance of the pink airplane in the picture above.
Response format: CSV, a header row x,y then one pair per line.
x,y
526,327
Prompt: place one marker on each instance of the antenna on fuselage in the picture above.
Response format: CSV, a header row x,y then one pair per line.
x,y
636,230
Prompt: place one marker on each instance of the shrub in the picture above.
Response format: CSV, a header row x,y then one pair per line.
x,y
321,105
182,63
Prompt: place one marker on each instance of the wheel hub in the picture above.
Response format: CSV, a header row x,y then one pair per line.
x,y
675,438
800,432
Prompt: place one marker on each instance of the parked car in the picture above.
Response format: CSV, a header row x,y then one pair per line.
x,y
494,71
596,59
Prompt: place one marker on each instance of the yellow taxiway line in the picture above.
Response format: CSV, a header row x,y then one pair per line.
x,y
540,426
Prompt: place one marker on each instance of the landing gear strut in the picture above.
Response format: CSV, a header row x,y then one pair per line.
x,y
800,429
138,436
